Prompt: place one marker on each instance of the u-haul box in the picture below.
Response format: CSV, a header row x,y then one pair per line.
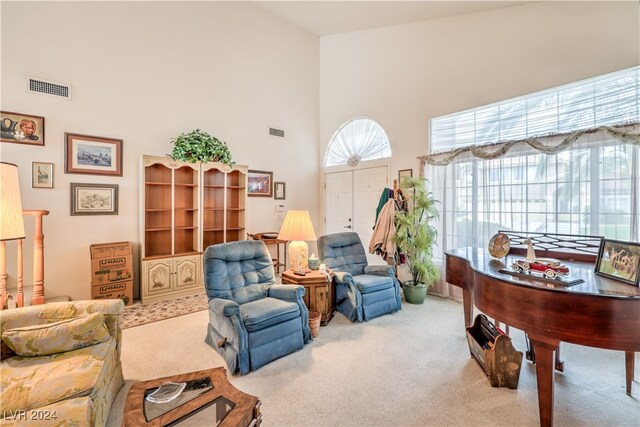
x,y
111,262
122,290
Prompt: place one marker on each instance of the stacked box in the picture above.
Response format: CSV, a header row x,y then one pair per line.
x,y
112,271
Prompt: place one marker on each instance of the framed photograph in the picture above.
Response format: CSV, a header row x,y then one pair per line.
x,y
92,155
404,172
94,199
260,184
279,190
21,128
41,175
620,261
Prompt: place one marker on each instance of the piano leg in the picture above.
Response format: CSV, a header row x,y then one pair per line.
x,y
544,375
467,302
629,362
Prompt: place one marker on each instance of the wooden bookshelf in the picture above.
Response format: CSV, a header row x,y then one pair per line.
x,y
186,208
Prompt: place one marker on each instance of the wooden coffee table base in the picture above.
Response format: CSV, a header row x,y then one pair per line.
x,y
245,412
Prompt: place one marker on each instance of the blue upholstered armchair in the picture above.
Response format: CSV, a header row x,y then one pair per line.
x,y
362,291
252,320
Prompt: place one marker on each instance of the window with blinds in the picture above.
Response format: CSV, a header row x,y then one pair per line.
x,y
604,100
589,189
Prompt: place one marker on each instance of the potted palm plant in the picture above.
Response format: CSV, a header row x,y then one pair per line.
x,y
200,146
415,237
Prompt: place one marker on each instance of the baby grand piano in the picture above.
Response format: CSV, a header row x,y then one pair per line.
x,y
598,312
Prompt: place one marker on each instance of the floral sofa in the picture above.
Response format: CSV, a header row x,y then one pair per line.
x,y
67,369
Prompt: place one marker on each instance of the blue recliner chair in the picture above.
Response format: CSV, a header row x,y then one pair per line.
x,y
362,291
252,320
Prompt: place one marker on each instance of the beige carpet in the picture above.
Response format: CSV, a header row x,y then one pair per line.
x,y
411,368
140,314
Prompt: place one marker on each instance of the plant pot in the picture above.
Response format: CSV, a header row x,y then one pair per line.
x,y
414,294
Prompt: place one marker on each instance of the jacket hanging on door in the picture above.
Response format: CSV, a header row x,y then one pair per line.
x,y
382,240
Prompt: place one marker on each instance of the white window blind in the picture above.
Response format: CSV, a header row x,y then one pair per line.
x,y
591,187
600,101
357,140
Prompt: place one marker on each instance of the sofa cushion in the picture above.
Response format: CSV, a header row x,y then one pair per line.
x,y
368,283
265,312
57,337
31,382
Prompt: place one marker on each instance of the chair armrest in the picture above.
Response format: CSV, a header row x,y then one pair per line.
x,y
342,277
380,270
224,307
286,291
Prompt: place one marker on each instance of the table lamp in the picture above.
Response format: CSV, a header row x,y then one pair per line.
x,y
297,228
11,221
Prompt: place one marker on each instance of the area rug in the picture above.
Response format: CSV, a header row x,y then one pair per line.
x,y
140,314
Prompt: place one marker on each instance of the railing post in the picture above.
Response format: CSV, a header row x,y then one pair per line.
x,y
38,257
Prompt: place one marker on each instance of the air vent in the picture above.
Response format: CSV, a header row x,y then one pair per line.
x,y
49,88
276,132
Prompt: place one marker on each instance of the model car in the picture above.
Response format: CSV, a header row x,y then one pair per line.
x,y
550,268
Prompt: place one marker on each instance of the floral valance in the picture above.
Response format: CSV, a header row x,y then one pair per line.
x,y
550,144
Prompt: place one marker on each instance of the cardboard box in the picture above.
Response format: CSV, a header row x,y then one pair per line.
x,y
111,263
122,290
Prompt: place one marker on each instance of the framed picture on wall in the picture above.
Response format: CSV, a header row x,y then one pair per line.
x,y
41,175
619,261
94,199
404,172
93,155
21,128
279,190
260,184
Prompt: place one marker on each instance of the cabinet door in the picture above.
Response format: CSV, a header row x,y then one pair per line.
x,y
157,277
187,272
322,299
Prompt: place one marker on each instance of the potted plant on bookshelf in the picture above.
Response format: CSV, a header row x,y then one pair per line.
x,y
415,237
200,146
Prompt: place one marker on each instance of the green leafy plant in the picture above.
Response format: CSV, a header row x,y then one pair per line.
x,y
200,146
415,234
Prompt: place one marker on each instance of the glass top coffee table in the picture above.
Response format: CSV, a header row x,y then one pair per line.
x,y
207,391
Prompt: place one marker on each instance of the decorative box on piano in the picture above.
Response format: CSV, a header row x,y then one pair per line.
x,y
494,352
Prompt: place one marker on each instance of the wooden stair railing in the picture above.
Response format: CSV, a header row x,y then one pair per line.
x,y
38,265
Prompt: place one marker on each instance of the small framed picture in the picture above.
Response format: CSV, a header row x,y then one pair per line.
x,y
279,190
94,199
260,184
92,155
21,128
619,261
404,172
41,175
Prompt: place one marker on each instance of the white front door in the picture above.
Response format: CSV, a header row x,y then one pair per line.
x,y
351,201
339,202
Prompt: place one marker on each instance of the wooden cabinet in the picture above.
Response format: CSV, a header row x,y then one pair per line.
x,y
319,292
186,207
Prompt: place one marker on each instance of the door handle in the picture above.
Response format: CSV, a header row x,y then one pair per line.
x,y
347,226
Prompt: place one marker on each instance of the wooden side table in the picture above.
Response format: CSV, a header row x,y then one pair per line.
x,y
319,292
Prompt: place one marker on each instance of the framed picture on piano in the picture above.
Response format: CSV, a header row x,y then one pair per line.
x,y
619,261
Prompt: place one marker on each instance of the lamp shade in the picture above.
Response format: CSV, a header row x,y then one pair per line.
x,y
11,221
297,226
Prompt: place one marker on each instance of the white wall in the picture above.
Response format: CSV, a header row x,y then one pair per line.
x,y
146,72
402,76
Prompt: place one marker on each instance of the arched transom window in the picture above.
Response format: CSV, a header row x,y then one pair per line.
x,y
355,141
